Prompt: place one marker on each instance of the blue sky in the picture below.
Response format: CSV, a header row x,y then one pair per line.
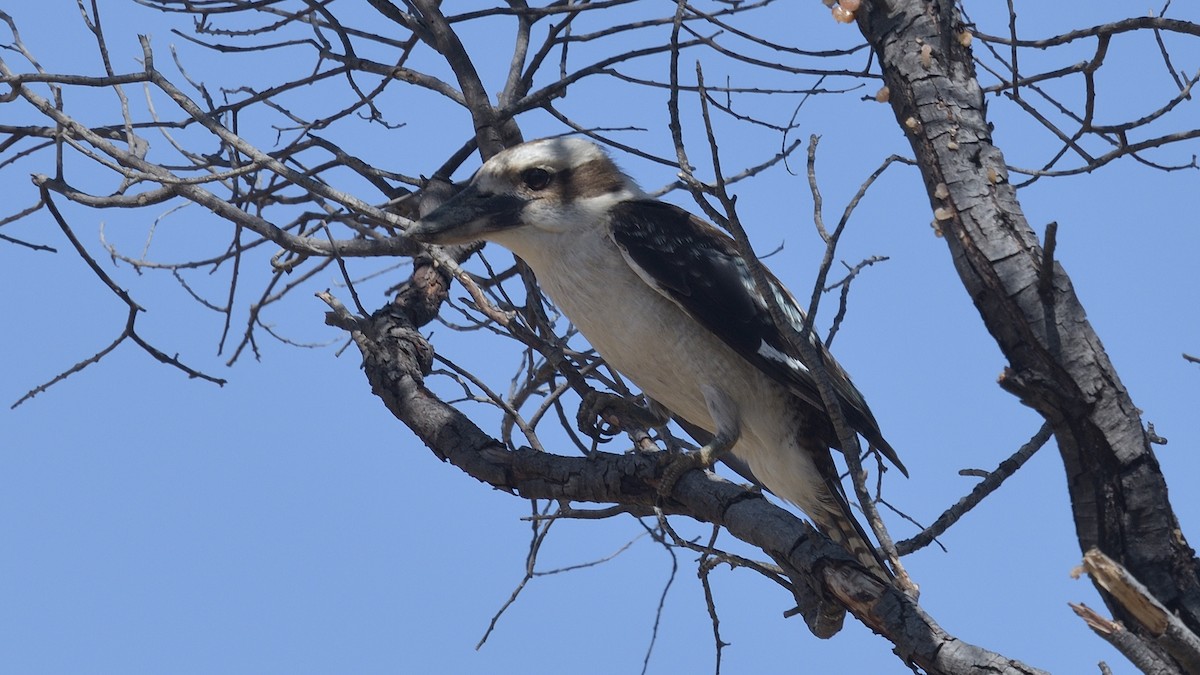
x,y
286,523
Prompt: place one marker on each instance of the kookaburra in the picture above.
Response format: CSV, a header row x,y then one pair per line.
x,y
669,302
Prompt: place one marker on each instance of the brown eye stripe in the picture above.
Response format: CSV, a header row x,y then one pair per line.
x,y
590,179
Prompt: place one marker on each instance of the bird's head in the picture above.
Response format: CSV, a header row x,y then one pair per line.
x,y
552,185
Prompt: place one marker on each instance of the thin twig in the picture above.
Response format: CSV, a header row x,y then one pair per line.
x,y
985,487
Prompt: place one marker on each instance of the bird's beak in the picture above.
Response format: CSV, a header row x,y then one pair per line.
x,y
468,216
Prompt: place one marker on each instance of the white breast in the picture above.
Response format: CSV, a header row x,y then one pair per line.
x,y
669,355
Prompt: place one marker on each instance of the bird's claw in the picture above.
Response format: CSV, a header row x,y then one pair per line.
x,y
681,463
594,418
603,415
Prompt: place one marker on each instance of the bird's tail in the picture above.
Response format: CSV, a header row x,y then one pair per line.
x,y
839,524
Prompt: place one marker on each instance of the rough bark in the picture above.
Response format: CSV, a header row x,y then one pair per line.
x,y
1057,364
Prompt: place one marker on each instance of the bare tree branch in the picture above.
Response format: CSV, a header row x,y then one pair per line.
x,y
296,183
1057,364
991,481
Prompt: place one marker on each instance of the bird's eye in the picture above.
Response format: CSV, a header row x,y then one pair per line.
x,y
536,179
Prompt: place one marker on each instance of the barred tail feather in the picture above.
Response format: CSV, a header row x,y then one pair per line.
x,y
840,525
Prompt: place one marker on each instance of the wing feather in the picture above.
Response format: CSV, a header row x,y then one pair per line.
x,y
698,267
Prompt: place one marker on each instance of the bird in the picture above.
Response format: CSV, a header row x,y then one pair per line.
x,y
669,302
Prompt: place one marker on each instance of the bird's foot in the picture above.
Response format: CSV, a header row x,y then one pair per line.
x,y
681,463
603,415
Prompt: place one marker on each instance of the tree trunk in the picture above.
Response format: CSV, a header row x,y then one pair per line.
x,y
1057,365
